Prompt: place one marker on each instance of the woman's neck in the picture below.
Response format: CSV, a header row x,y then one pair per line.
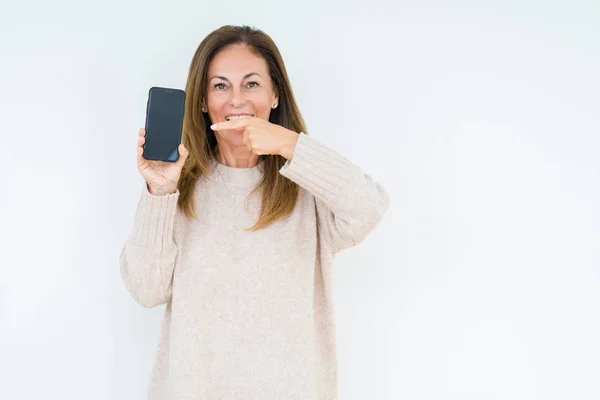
x,y
237,161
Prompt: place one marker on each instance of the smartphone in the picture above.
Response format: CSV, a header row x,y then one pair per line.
x,y
164,124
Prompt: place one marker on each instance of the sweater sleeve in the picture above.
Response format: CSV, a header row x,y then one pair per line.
x,y
349,202
149,254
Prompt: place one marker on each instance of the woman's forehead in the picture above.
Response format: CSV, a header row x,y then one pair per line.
x,y
236,62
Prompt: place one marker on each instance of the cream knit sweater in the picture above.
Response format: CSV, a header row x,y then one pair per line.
x,y
249,315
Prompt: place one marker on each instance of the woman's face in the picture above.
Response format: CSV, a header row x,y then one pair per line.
x,y
238,83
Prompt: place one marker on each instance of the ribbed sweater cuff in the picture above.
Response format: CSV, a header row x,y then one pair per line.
x,y
153,221
321,170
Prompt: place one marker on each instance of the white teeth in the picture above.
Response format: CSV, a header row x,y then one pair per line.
x,y
237,117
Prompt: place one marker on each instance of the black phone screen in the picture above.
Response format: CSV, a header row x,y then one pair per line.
x,y
164,123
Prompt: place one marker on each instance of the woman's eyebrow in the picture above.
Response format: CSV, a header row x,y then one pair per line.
x,y
245,76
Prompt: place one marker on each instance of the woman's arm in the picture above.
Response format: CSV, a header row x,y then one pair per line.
x,y
149,255
349,202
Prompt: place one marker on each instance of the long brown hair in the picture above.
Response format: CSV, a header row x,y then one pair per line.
x,y
279,194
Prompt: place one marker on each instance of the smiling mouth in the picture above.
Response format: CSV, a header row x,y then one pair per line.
x,y
233,117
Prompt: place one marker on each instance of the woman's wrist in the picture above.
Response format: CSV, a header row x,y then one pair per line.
x,y
288,148
160,191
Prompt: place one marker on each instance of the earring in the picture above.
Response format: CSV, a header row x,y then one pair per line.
x,y
203,109
274,106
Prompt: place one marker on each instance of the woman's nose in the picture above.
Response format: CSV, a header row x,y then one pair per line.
x,y
237,97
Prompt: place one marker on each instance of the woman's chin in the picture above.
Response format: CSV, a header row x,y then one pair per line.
x,y
233,136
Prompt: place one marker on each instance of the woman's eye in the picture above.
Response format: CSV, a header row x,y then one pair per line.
x,y
218,85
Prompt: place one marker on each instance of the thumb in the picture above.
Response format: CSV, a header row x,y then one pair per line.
x,y
183,155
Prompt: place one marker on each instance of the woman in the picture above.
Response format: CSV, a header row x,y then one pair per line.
x,y
238,236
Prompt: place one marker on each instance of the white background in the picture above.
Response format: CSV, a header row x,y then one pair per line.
x,y
481,119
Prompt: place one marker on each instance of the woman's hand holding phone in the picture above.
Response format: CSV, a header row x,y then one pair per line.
x,y
160,176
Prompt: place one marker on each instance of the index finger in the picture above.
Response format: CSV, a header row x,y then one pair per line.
x,y
233,124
